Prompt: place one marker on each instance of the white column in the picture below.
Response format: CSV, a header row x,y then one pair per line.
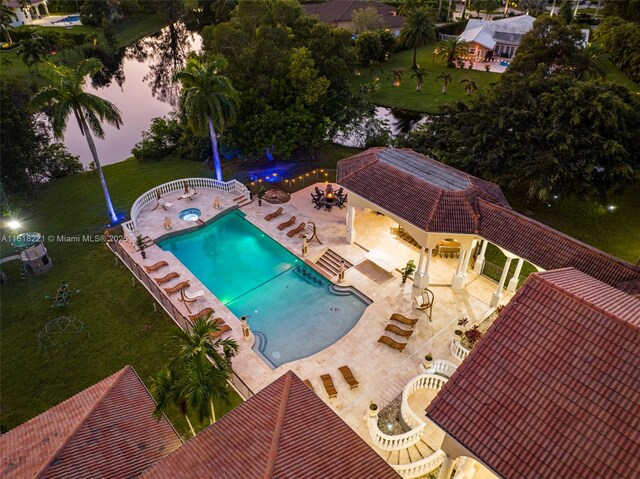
x,y
46,9
460,278
477,269
447,468
420,262
498,294
351,229
37,11
421,280
513,282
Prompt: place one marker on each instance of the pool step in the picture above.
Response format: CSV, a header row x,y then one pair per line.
x,y
330,262
241,201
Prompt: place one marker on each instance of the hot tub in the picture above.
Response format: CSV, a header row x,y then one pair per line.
x,y
190,214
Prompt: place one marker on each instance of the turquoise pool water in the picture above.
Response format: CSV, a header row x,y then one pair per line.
x,y
293,311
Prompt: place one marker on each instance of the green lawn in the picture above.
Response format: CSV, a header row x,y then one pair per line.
x,y
132,30
431,99
615,75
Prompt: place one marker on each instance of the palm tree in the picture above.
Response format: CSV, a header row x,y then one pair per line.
x,y
6,17
450,50
203,384
418,30
469,86
446,79
408,6
164,390
595,65
32,52
204,337
397,76
209,99
65,96
419,74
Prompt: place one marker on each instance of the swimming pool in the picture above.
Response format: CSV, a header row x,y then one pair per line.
x,y
70,18
293,311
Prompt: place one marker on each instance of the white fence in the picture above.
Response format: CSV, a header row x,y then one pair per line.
x,y
458,350
422,467
176,185
442,366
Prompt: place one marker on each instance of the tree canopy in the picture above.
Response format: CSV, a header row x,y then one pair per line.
x,y
621,41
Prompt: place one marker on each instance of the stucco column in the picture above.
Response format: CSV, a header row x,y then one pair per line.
x,y
446,468
351,229
37,10
421,280
46,9
420,262
460,278
498,294
513,282
477,269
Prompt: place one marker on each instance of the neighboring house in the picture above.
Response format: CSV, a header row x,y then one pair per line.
x,y
27,13
284,431
339,13
553,388
499,38
106,431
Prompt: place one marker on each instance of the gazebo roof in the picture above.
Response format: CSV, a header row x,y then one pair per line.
x,y
426,193
552,389
107,430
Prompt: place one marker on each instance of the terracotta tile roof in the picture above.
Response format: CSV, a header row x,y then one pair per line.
x,y
341,11
104,431
284,431
425,192
553,388
548,248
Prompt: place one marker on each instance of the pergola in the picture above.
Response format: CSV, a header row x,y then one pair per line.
x,y
434,202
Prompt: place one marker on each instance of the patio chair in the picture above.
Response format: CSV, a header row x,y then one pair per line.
x,y
178,287
160,202
275,214
191,297
201,314
339,192
319,192
348,376
405,333
424,301
287,223
155,267
341,201
328,386
167,223
224,328
296,230
391,343
188,192
216,203
317,202
309,385
166,278
403,319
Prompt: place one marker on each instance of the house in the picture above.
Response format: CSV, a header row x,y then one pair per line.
x,y
500,38
105,431
26,11
284,431
553,388
339,13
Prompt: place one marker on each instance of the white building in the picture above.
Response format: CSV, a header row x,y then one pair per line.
x,y
501,38
33,10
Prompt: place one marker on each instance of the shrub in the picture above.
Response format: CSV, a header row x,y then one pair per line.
x,y
58,162
161,139
473,335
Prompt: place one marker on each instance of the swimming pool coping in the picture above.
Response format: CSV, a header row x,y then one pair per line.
x,y
198,224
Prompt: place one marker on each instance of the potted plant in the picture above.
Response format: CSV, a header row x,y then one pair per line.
x,y
428,361
408,270
141,245
459,333
373,409
261,193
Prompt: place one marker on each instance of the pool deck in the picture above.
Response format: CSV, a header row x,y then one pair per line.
x,y
381,371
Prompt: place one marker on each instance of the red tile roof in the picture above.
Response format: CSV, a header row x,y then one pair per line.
x,y
284,431
553,388
438,198
104,431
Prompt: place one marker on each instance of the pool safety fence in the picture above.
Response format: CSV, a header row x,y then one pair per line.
x,y
141,275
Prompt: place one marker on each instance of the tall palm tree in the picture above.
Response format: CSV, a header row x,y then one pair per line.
x,y
65,95
419,74
446,79
6,17
32,52
209,99
203,384
164,390
418,30
595,65
204,337
408,6
450,50
469,86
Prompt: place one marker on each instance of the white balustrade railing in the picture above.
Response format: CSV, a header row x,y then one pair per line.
x,y
422,467
458,350
390,442
442,366
176,185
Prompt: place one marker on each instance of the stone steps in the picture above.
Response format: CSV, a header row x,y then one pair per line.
x,y
241,201
330,262
411,454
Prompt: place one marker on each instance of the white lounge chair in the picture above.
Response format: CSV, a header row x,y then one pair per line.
x,y
160,202
188,194
187,297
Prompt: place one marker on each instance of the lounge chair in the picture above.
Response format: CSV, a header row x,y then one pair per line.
x,y
391,343
201,314
275,214
224,328
287,223
188,194
160,202
191,297
178,287
156,267
166,278
403,319
167,223
309,385
405,333
216,203
328,386
348,376
296,230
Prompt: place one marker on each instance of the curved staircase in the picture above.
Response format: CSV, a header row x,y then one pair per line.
x,y
409,453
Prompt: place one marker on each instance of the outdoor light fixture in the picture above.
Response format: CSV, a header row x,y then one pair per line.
x,y
14,224
396,83
611,207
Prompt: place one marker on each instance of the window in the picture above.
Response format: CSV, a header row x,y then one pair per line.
x,y
472,51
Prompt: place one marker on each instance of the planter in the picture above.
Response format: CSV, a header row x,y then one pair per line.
x,y
373,410
428,362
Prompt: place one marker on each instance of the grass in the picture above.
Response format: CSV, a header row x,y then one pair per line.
x,y
132,30
119,315
614,74
431,99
